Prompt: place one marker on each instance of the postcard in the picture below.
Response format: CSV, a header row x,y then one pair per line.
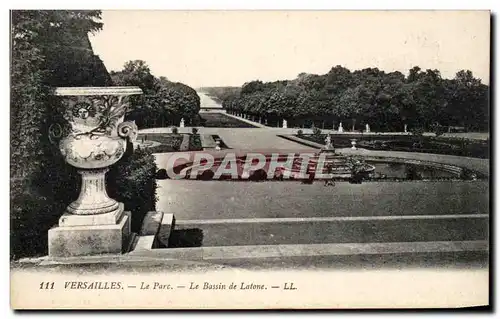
x,y
249,159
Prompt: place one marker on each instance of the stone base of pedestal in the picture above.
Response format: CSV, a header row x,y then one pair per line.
x,y
110,218
67,241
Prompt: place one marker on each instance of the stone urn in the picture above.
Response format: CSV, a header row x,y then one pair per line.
x,y
94,139
353,143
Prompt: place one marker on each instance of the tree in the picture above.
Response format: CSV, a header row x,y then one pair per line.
x,y
252,87
136,73
163,102
467,102
426,97
179,101
387,101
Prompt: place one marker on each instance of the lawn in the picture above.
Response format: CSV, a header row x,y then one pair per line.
x,y
191,199
221,120
408,143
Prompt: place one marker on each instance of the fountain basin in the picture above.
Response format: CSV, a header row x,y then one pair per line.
x,y
329,166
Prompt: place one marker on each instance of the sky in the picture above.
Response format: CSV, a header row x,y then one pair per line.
x,y
229,48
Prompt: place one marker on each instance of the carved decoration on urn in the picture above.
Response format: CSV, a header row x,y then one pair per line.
x,y
95,139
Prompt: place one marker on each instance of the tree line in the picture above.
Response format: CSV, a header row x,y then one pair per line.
x,y
422,100
163,103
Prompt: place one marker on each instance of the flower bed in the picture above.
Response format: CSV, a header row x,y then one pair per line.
x,y
168,142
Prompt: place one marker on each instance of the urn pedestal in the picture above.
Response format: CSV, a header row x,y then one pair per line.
x,y
95,138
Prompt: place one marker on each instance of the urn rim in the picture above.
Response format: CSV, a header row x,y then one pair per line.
x,y
97,90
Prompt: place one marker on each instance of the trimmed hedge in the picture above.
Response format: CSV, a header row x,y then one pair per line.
x,y
195,142
31,215
132,182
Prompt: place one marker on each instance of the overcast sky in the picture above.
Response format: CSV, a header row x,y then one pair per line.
x,y
217,48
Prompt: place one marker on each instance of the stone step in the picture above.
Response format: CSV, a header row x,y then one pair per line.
x,y
324,230
207,141
155,231
448,251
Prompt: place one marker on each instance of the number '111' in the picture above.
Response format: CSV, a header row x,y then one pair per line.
x,y
46,285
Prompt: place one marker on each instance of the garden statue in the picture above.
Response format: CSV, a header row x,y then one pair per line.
x,y
94,138
367,128
182,123
285,124
406,128
341,129
328,143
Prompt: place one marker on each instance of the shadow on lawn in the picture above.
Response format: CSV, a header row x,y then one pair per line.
x,y
180,238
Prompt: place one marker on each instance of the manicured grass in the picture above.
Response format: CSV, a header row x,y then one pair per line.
x,y
321,232
221,120
191,199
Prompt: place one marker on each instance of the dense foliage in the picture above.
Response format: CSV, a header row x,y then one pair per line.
x,y
385,101
163,103
221,93
195,142
131,181
49,49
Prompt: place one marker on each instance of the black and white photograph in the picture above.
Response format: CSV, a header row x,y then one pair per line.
x,y
249,159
